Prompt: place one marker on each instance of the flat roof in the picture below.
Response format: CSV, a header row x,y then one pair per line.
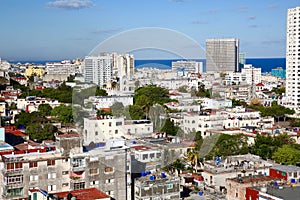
x,y
286,168
286,193
90,193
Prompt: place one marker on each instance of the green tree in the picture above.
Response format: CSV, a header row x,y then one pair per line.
x,y
45,109
169,127
279,90
24,118
287,155
39,132
100,92
63,113
136,112
103,113
182,89
117,109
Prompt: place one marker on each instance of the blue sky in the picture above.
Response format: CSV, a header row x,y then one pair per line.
x,y
66,29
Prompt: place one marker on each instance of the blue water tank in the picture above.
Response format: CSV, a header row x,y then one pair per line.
x,y
143,174
163,175
293,180
133,142
152,178
275,184
148,172
200,193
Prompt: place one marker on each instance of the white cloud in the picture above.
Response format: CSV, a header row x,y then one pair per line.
x,y
70,4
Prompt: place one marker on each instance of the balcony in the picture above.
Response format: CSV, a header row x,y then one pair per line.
x,y
17,171
14,185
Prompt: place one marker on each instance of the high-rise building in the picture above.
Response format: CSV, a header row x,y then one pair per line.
x,y
98,69
293,58
103,68
222,55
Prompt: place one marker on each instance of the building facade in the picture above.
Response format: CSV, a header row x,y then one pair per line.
x,y
104,68
222,55
293,58
187,66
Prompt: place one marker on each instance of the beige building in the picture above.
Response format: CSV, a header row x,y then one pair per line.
x,y
37,71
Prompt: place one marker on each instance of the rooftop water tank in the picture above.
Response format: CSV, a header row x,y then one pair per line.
x,y
152,178
200,193
275,184
293,180
163,175
143,174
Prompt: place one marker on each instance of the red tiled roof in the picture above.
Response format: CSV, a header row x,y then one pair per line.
x,y
141,148
260,84
90,193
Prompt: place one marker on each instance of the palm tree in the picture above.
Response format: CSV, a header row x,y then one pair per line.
x,y
193,158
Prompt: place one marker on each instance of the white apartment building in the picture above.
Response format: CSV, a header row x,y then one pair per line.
x,y
101,69
187,67
247,74
123,65
98,69
216,172
293,58
31,103
98,130
107,101
63,67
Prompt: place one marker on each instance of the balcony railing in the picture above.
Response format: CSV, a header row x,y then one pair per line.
x,y
12,171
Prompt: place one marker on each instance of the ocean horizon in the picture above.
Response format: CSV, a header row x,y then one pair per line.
x,y
266,64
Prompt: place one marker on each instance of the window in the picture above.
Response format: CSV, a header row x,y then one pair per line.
x,y
108,169
13,179
33,164
158,155
51,175
94,182
109,124
169,186
65,172
50,162
65,184
93,171
96,132
145,156
34,177
151,155
51,188
65,160
118,123
10,166
116,131
110,180
18,165
79,186
13,166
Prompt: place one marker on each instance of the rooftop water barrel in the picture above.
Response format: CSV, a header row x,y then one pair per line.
x,y
275,184
143,174
200,193
293,180
152,178
163,175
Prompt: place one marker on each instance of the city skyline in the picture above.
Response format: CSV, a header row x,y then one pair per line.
x,y
66,29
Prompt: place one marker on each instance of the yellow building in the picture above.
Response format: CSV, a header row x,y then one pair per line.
x,y
34,71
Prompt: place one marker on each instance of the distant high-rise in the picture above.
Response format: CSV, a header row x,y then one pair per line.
x,y
222,55
98,69
293,58
106,67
